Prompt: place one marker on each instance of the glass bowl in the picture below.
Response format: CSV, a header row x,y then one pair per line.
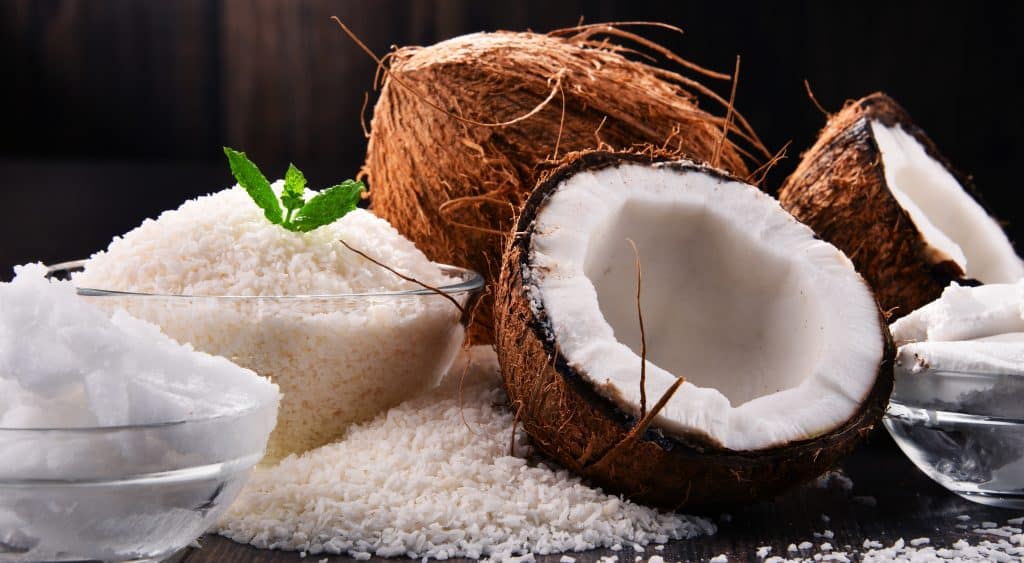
x,y
338,359
122,493
965,431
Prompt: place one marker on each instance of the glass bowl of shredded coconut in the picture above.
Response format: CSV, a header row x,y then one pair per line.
x,y
117,443
349,319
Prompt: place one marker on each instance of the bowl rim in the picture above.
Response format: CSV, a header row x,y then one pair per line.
x,y
67,430
470,281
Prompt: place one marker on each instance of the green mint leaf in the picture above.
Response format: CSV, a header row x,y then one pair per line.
x,y
254,182
328,206
294,186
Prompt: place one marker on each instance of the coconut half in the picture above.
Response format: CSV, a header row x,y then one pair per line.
x,y
876,186
784,353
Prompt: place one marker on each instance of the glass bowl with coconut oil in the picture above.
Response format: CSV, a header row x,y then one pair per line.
x,y
123,493
965,430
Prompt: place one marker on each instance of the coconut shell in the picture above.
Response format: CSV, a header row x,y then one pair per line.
x,y
839,190
571,422
453,187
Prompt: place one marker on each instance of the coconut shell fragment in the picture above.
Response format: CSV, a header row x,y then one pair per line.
x,y
463,127
840,189
576,423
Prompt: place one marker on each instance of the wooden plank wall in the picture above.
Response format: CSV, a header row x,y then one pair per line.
x,y
175,78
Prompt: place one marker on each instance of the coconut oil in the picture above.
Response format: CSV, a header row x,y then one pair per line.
x,y
965,431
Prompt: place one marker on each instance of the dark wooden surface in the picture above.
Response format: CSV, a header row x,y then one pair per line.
x,y
908,505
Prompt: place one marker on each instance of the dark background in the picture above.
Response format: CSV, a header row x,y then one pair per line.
x,y
116,109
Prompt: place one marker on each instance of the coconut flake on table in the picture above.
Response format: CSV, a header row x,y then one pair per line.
x,y
433,478
64,363
338,360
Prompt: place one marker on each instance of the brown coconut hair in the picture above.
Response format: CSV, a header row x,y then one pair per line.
x,y
839,189
463,128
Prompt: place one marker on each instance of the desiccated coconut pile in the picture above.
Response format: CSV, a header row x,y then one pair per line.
x,y
433,478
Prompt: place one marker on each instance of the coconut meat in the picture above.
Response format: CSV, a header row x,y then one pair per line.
x,y
777,337
952,223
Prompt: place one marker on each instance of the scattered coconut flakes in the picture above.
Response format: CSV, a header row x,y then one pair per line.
x,y
792,547
834,477
567,559
763,551
656,559
805,545
866,500
963,517
987,524
417,481
919,550
721,558
1015,521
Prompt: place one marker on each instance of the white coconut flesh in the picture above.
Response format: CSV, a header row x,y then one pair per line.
x,y
777,337
953,224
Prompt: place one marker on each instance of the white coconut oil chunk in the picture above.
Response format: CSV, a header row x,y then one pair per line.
x,y
64,363
777,337
949,219
967,329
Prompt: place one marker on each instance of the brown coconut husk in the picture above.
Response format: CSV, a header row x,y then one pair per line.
x,y
570,421
839,190
463,128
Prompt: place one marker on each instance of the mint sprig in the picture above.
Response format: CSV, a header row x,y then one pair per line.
x,y
299,215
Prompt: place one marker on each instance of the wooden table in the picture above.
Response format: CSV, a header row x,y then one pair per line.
x,y
890,499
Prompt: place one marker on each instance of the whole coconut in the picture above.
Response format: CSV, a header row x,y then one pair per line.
x,y
463,127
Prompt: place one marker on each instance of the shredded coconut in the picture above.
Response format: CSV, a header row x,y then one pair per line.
x,y
221,244
338,360
433,478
